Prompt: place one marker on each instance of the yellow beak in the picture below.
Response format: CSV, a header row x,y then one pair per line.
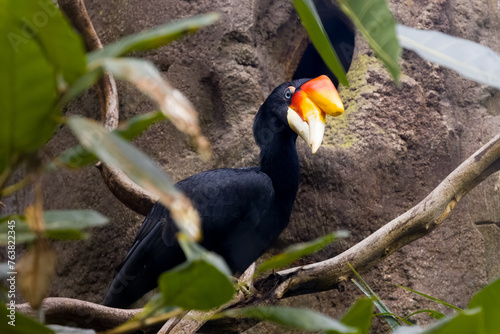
x,y
310,104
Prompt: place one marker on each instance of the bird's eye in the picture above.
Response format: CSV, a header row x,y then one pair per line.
x,y
289,92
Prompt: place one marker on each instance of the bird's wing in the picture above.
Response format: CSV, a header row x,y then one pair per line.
x,y
153,218
226,199
224,196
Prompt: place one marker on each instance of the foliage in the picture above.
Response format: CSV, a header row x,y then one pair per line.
x,y
374,21
470,59
297,251
51,56
37,60
311,21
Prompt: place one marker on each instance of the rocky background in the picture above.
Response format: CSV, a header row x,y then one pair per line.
x,y
391,147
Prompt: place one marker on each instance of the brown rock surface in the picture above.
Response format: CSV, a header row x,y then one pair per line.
x,y
392,146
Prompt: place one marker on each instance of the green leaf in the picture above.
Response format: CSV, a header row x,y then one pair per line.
x,y
196,285
201,283
27,85
294,252
312,22
134,126
408,330
18,230
60,43
23,324
74,157
77,156
365,288
292,317
432,313
155,37
4,270
70,330
60,220
464,322
488,298
375,21
431,298
59,224
195,251
472,60
359,315
119,154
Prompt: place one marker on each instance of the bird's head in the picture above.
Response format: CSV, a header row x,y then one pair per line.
x,y
302,105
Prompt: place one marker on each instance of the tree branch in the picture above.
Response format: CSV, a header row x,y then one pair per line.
x,y
133,196
67,311
412,225
325,275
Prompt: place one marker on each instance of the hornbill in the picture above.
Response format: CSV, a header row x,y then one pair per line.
x,y
244,210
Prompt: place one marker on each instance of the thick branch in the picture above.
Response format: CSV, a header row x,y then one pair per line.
x,y
412,225
127,192
67,311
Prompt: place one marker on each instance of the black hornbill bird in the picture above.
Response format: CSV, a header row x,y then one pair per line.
x,y
243,211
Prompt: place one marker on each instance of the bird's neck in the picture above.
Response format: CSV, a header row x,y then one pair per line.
x,y
279,160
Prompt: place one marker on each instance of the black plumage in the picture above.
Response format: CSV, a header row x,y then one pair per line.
x,y
242,210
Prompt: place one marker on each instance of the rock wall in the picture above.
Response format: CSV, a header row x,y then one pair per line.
x,y
391,147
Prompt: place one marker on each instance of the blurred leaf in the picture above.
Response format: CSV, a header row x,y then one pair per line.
x,y
292,317
60,220
312,22
365,288
21,229
27,85
294,252
464,322
155,306
119,154
23,324
34,272
408,330
74,157
134,126
395,316
4,269
472,60
359,315
489,299
432,313
431,298
195,251
202,282
77,156
197,284
70,330
155,37
146,77
375,21
59,224
60,43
